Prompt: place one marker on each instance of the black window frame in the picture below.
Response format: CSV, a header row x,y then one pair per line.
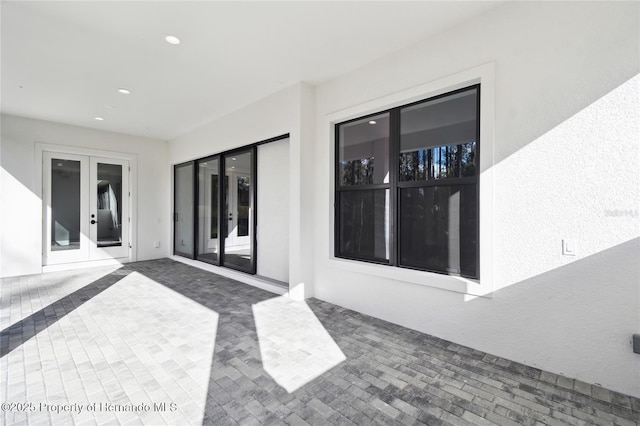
x,y
395,185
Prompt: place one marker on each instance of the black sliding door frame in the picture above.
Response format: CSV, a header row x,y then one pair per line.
x,y
198,202
175,209
223,204
223,222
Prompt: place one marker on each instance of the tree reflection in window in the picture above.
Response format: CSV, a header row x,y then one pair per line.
x,y
453,161
357,172
243,206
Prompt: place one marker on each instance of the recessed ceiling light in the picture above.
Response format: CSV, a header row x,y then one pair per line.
x,y
372,122
99,118
110,106
233,167
172,39
124,91
234,158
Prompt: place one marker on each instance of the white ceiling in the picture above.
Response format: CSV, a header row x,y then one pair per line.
x,y
64,61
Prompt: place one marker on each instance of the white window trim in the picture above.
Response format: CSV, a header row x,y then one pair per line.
x,y
485,76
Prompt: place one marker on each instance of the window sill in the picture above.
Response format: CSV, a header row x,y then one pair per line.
x,y
423,278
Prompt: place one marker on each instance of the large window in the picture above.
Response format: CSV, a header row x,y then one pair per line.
x,y
407,185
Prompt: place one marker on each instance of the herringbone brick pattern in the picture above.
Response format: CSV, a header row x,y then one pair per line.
x,y
160,342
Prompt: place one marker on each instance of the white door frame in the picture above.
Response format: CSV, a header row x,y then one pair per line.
x,y
40,149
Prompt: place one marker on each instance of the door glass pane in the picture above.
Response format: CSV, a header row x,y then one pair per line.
x,y
238,213
364,224
208,189
363,151
438,138
65,204
242,191
438,229
183,210
109,208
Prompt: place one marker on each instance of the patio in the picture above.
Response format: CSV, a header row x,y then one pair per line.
x,y
160,342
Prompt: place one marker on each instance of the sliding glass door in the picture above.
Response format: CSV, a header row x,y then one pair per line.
x,y
208,210
183,210
221,228
239,210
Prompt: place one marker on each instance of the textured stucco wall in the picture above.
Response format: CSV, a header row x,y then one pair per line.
x,y
564,165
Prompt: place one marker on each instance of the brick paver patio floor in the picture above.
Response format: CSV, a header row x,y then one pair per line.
x,y
160,342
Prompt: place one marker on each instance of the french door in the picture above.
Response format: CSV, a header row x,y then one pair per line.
x,y
86,210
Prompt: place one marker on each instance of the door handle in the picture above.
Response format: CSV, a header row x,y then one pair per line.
x,y
93,222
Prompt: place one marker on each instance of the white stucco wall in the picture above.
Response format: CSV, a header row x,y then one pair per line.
x,y
563,142
560,161
289,111
273,210
21,198
273,116
565,166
